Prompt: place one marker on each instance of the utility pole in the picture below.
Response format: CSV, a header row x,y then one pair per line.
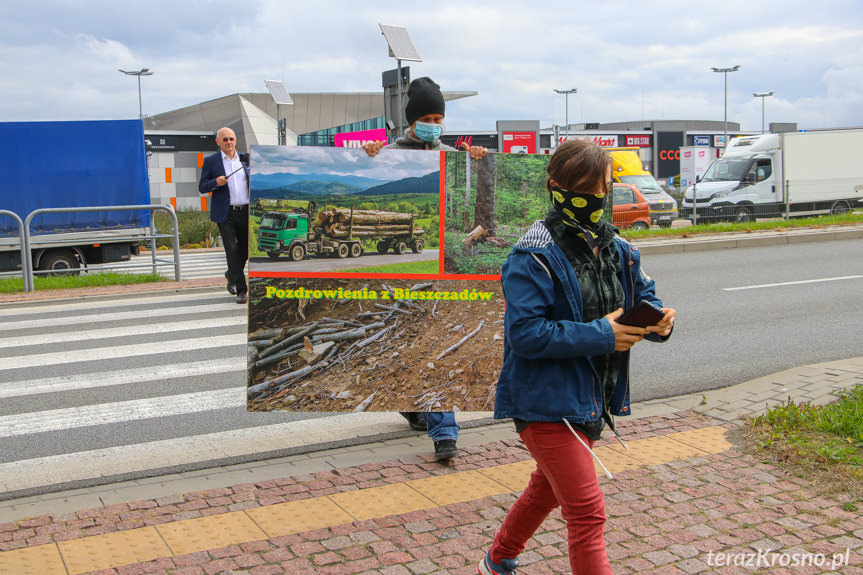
x,y
139,73
762,95
725,72
566,94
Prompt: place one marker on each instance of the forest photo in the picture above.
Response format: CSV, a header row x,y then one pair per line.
x,y
489,205
310,205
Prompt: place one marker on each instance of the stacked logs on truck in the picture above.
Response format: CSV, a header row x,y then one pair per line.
x,y
339,222
314,347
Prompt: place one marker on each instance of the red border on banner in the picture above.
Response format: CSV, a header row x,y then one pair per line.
x,y
367,275
441,275
441,211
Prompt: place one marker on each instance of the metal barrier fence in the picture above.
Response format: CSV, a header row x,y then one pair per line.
x,y
788,199
24,270
26,243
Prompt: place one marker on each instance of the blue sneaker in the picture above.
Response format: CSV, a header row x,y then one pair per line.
x,y
505,567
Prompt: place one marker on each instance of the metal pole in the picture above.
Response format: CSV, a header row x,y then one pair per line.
x,y
26,276
762,95
399,100
762,115
566,94
140,105
566,103
725,111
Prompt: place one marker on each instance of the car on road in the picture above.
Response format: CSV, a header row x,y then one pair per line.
x,y
628,169
630,209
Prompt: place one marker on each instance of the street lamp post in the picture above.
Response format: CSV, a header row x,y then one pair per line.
x,y
762,95
139,73
566,94
725,72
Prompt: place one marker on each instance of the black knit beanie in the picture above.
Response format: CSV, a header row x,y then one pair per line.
x,y
424,97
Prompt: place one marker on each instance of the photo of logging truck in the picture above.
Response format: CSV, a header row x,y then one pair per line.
x,y
296,228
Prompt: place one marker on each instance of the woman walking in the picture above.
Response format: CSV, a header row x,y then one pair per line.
x,y
566,359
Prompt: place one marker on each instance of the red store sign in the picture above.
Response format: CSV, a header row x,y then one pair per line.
x,y
639,141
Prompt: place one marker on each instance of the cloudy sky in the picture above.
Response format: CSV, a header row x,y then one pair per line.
x,y
629,60
389,166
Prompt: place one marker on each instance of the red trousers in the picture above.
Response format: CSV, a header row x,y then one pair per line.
x,y
565,477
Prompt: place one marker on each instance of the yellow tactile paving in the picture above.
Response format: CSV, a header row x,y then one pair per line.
x,y
657,450
512,475
458,487
137,545
298,516
615,461
710,439
41,560
112,550
202,533
381,501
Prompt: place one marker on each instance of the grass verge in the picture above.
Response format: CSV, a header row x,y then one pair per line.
x,y
822,443
761,225
14,285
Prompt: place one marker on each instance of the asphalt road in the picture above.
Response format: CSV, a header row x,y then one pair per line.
x,y
98,390
328,264
748,312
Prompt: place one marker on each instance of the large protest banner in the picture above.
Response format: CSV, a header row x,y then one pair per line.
x,y
375,282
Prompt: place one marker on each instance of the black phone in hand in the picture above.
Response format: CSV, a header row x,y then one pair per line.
x,y
644,314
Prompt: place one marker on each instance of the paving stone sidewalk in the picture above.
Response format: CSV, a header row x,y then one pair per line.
x,y
689,516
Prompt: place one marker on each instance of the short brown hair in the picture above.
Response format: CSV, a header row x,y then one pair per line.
x,y
578,164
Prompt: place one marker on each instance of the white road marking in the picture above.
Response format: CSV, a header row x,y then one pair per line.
x,y
121,411
89,306
116,316
801,282
216,366
121,352
114,332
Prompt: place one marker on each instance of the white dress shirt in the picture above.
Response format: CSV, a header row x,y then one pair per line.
x,y
238,184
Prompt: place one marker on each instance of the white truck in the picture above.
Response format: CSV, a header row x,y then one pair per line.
x,y
780,175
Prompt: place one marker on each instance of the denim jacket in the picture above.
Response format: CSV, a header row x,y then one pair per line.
x,y
547,369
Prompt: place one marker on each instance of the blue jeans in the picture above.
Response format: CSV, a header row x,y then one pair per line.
x,y
441,425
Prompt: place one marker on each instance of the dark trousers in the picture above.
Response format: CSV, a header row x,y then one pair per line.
x,y
235,237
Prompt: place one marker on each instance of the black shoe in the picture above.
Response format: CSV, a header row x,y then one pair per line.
x,y
232,289
415,420
242,298
445,449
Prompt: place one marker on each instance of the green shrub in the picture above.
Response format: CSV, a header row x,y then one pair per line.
x,y
195,228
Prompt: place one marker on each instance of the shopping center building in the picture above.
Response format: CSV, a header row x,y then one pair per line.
x,y
178,140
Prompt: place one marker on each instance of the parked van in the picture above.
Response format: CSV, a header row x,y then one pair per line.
x,y
628,169
781,175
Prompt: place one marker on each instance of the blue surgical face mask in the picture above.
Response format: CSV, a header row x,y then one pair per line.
x,y
427,132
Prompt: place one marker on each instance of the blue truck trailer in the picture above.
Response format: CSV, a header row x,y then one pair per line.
x,y
73,165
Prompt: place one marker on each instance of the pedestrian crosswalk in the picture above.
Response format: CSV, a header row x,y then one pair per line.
x,y
194,264
92,390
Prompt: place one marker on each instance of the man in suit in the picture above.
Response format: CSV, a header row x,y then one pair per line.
x,y
226,175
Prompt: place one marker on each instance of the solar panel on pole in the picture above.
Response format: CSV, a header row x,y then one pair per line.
x,y
278,92
400,43
401,48
280,96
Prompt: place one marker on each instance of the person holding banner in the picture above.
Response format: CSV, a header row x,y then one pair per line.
x,y
424,112
226,175
565,370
